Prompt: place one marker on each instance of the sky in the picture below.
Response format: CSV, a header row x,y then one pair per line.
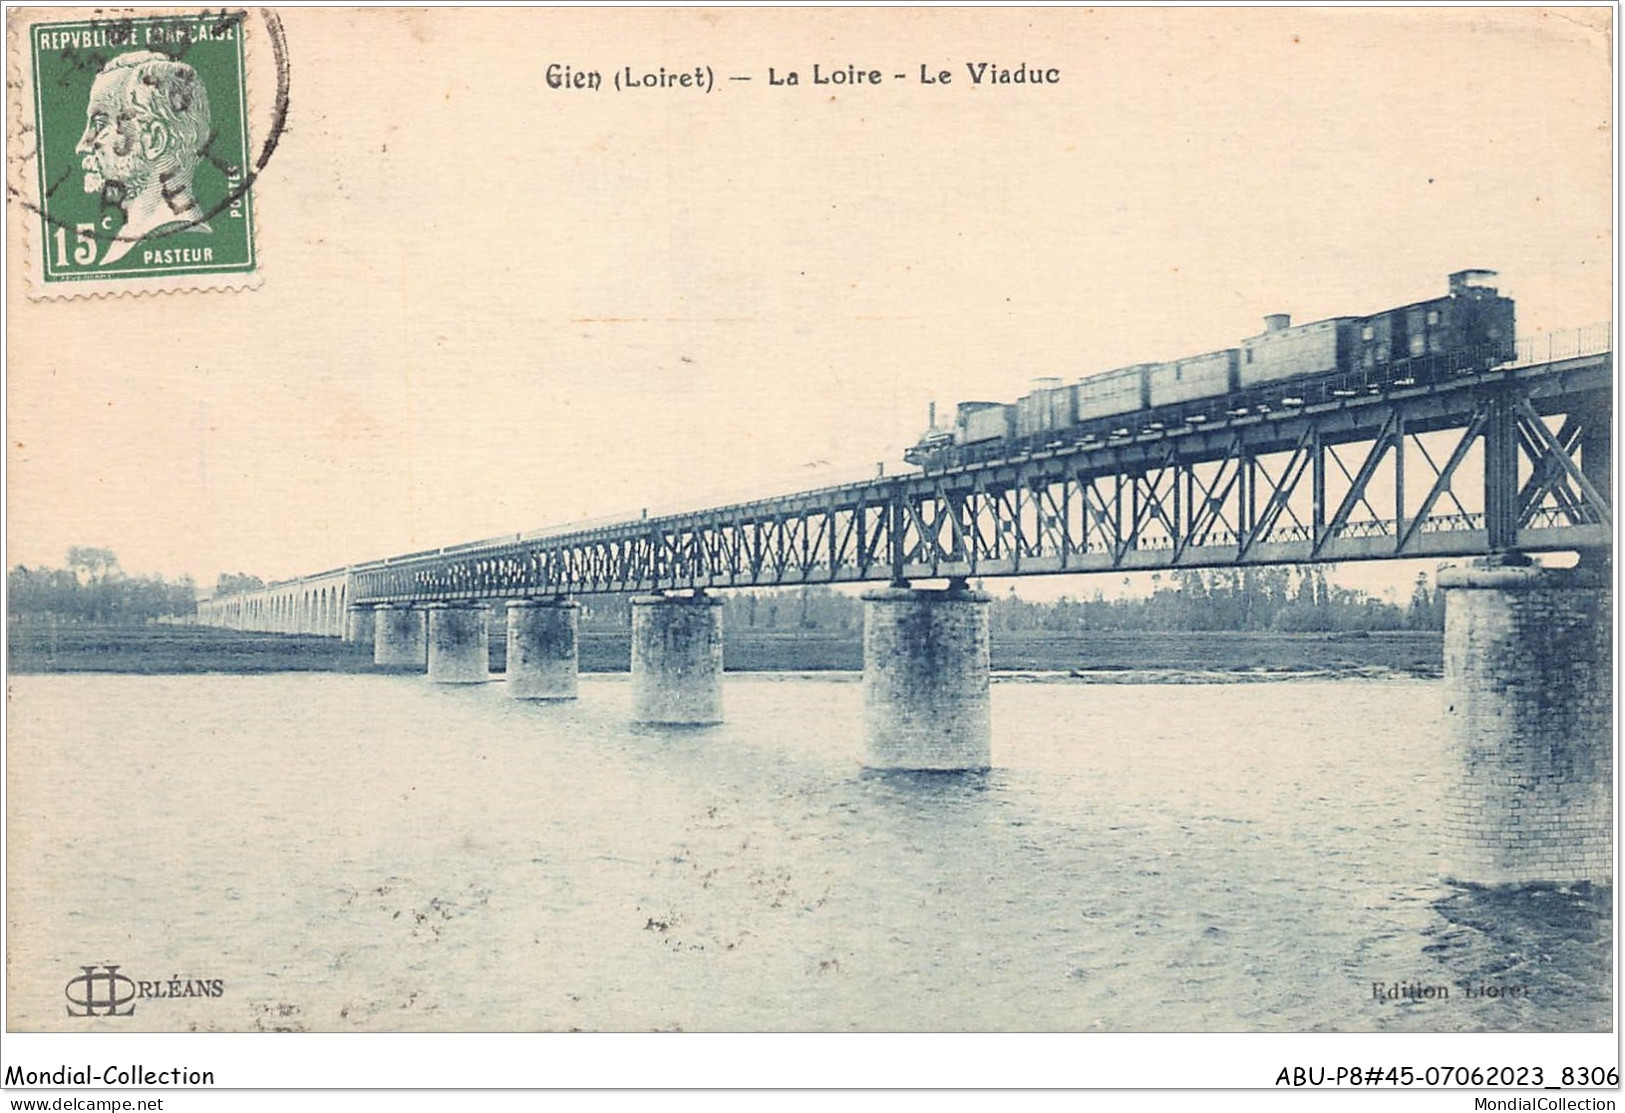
x,y
488,306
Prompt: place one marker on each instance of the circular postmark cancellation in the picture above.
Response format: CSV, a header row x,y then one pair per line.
x,y
142,153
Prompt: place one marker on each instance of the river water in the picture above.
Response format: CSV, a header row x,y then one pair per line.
x,y
366,852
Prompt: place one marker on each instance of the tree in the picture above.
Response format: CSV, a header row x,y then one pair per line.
x,y
1426,609
94,563
230,583
1421,604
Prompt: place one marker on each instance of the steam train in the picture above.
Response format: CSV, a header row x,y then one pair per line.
x,y
1284,367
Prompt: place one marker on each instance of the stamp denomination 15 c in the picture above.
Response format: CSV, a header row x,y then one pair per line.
x,y
142,152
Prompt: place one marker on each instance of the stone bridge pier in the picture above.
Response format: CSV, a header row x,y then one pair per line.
x,y
926,675
399,636
459,646
677,659
1528,706
359,624
543,655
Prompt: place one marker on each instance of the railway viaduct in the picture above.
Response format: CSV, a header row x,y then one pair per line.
x,y
1485,467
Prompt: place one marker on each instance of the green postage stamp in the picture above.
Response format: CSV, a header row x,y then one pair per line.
x,y
142,164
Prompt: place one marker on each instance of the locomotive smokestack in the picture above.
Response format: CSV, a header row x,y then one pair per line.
x,y
1275,322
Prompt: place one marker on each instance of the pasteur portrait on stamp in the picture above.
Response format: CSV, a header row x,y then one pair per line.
x,y
145,125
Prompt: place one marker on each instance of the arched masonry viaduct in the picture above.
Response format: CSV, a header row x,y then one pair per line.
x,y
308,605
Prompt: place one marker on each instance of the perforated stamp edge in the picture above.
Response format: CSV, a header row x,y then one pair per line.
x,y
265,92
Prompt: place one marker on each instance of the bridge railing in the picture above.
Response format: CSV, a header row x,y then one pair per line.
x,y
1569,343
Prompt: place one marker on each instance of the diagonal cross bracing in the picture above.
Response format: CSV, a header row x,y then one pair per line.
x,y
1198,496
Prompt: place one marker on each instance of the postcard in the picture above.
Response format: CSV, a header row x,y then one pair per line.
x,y
1089,523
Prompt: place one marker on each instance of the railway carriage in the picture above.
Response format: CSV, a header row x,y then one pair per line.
x,y
1183,380
1474,320
1049,408
1111,393
984,421
1283,351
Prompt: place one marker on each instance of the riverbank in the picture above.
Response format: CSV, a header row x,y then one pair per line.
x,y
1086,655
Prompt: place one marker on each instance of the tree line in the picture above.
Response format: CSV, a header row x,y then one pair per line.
x,y
1279,599
93,588
1284,599
1288,599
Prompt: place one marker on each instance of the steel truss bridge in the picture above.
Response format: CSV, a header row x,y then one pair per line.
x,y
1513,458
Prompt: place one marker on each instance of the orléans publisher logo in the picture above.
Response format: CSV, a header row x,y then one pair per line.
x,y
103,991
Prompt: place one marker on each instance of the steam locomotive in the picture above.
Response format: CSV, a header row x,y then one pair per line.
x,y
1284,367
